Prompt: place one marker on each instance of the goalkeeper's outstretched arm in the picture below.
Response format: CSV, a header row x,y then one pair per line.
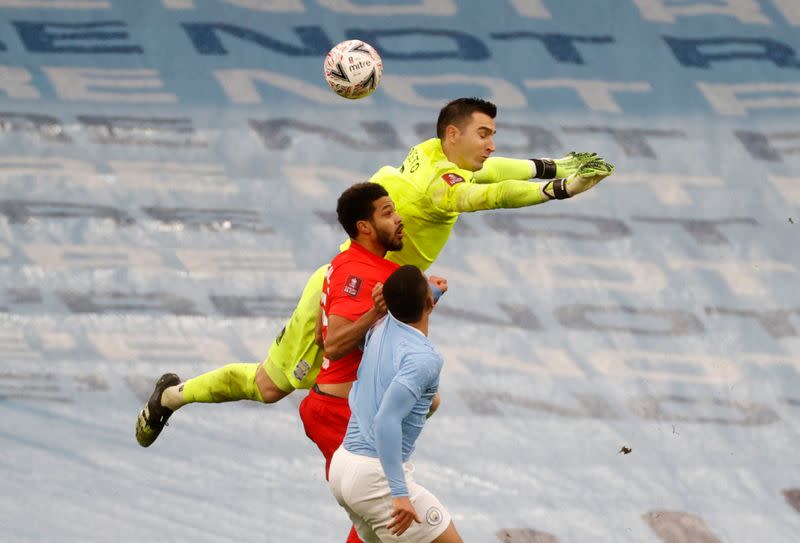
x,y
468,197
496,169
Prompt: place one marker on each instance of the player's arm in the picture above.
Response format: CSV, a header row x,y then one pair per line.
x,y
345,335
496,169
350,312
461,197
318,339
437,401
396,404
438,286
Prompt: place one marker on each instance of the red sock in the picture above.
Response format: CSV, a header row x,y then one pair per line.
x,y
352,537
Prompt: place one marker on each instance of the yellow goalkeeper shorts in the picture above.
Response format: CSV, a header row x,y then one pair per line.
x,y
294,358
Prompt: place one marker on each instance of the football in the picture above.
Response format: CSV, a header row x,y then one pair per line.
x,y
353,69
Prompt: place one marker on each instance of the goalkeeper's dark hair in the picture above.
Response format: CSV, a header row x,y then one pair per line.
x,y
357,204
459,110
405,293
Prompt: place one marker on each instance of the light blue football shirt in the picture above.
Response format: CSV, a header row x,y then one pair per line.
x,y
394,353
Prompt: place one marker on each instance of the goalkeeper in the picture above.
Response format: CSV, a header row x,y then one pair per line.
x,y
440,178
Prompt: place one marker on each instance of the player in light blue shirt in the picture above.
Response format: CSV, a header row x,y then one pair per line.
x,y
392,397
394,394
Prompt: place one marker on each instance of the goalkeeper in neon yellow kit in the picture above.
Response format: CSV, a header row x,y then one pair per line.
x,y
439,179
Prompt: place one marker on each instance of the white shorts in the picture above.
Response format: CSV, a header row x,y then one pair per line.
x,y
360,486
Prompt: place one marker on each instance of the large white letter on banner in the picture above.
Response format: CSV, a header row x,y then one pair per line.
x,y
597,95
424,7
747,11
240,87
93,84
277,6
790,9
15,83
403,89
56,4
725,98
534,9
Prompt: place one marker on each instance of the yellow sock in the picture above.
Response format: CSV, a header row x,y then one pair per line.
x,y
226,384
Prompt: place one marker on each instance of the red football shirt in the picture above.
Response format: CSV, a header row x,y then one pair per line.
x,y
347,292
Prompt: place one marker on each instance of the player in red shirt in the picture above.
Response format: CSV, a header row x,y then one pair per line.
x,y
348,311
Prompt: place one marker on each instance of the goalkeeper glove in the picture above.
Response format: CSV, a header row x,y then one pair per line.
x,y
549,168
586,176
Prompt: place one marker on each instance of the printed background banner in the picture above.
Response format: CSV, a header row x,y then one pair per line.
x,y
622,366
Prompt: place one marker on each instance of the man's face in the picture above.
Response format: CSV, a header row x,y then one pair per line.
x,y
474,142
387,223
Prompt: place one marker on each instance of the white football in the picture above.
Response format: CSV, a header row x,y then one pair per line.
x,y
353,69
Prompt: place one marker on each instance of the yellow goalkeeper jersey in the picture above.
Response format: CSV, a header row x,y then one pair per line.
x,y
427,226
430,192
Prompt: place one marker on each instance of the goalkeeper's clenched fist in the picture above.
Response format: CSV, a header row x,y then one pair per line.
x,y
587,175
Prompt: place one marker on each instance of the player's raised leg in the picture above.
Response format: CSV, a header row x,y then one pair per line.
x,y
293,362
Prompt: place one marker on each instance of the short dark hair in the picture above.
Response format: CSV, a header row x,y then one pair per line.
x,y
460,109
356,204
405,293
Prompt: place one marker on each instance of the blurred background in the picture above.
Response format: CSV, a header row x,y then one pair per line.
x,y
622,366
